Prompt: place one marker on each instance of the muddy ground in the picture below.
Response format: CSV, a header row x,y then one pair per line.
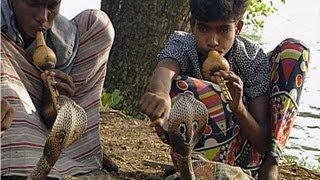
x,y
139,153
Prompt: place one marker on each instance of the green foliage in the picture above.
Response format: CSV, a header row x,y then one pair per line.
x,y
258,10
109,100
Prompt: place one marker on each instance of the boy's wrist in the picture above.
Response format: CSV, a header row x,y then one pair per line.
x,y
240,110
48,112
158,90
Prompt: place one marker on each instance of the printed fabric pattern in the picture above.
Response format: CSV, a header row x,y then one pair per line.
x,y
223,140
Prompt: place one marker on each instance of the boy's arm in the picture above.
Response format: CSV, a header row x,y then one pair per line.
x,y
254,120
156,102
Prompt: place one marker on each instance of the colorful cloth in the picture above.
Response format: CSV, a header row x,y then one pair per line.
x,y
289,68
223,140
22,144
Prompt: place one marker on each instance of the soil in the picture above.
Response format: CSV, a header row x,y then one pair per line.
x,y
138,152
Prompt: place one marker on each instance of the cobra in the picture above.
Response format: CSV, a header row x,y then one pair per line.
x,y
187,121
71,120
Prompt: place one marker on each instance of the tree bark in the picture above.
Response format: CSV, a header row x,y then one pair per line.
x,y
142,28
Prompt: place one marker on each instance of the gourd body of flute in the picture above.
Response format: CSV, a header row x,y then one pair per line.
x,y
43,56
45,59
214,62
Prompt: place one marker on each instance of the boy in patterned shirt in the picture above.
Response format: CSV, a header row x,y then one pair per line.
x,y
252,129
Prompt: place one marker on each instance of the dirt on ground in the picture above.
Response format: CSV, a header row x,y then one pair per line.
x,y
138,152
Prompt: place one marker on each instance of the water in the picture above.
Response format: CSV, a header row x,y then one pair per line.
x,y
300,19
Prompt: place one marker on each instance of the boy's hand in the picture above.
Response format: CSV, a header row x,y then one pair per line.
x,y
235,86
62,81
156,107
64,85
7,114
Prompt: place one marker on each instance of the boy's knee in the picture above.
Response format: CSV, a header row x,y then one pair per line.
x,y
103,20
292,43
97,19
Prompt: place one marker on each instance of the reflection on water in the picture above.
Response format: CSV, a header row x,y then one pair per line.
x,y
300,20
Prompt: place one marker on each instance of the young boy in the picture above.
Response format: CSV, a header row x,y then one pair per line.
x,y
82,47
240,132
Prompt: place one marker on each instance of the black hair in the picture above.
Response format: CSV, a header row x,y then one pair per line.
x,y
205,10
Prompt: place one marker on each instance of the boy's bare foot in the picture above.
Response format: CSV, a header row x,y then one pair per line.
x,y
268,169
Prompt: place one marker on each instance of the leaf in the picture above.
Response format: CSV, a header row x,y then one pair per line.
x,y
116,98
116,92
257,11
106,100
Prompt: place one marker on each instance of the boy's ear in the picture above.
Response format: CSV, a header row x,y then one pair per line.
x,y
239,26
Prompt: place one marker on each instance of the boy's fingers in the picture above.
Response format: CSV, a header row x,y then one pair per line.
x,y
160,121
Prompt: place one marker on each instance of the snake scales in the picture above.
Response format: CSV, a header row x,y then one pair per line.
x,y
186,124
69,125
71,119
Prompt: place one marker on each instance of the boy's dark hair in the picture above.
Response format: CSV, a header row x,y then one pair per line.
x,y
205,10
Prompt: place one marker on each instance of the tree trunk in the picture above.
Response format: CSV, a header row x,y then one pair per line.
x,y
142,28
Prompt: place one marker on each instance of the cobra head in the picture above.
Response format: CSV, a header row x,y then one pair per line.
x,y
187,121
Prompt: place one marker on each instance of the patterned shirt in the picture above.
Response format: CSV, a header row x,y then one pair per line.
x,y
246,59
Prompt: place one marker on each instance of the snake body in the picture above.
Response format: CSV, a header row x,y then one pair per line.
x,y
70,124
71,120
187,121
